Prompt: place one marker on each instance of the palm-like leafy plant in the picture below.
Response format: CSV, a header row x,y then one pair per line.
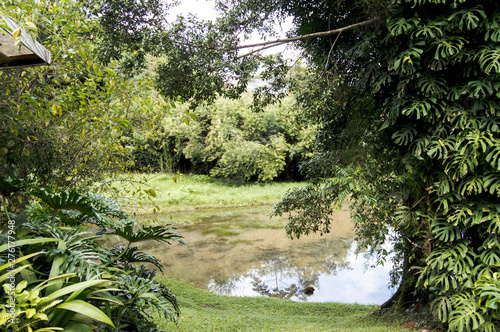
x,y
69,278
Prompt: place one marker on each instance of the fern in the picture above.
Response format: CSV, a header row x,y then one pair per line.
x,y
131,231
133,255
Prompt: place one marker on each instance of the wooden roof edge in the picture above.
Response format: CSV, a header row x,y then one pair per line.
x,y
27,40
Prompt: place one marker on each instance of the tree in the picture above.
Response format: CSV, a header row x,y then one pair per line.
x,y
60,125
407,95
231,140
428,79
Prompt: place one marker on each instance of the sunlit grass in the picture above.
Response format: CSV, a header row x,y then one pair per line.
x,y
204,311
189,192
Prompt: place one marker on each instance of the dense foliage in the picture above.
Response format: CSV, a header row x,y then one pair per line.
x,y
58,274
226,139
60,128
407,103
426,79
60,124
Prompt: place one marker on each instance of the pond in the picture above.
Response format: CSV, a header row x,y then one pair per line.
x,y
242,251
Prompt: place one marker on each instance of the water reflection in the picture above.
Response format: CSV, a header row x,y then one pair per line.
x,y
243,252
345,281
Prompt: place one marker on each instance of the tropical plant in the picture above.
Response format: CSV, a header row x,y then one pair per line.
x,y
70,279
66,300
407,94
426,79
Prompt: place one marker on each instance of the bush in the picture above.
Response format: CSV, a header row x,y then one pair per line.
x,y
69,278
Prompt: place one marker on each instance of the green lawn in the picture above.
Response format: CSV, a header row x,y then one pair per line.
x,y
204,311
189,192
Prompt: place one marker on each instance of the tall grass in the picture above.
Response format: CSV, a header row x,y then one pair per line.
x,y
189,192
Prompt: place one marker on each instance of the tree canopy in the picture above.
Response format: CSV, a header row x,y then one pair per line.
x,y
405,92
60,124
422,85
407,96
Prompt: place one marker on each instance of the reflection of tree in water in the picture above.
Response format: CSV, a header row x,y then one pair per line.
x,y
284,293
284,274
273,276
221,285
332,265
274,270
282,277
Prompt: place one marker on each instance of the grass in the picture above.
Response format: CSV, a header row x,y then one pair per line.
x,y
189,192
204,311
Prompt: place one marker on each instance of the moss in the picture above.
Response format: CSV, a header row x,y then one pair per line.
x,y
219,232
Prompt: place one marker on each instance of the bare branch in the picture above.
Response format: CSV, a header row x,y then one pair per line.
x,y
259,50
277,42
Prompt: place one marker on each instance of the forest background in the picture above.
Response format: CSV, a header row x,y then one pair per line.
x,y
402,96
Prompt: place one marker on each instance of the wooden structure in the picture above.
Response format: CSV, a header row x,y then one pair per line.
x,y
30,53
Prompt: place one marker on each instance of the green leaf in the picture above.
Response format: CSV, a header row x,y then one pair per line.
x,y
133,255
401,25
78,328
128,229
468,19
86,309
7,275
28,241
489,59
66,200
78,287
20,259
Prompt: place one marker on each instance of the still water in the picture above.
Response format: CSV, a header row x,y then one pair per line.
x,y
244,252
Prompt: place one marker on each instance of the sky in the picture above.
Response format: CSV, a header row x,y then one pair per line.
x,y
204,9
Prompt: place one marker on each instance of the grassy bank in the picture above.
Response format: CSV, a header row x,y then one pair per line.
x,y
204,311
189,192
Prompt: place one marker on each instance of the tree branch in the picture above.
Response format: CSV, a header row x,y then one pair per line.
x,y
258,50
303,37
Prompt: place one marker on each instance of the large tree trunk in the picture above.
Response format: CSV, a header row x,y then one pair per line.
x,y
407,292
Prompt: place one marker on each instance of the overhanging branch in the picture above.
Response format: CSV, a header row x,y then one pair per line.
x,y
277,42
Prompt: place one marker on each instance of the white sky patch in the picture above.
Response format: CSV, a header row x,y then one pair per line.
x,y
205,10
